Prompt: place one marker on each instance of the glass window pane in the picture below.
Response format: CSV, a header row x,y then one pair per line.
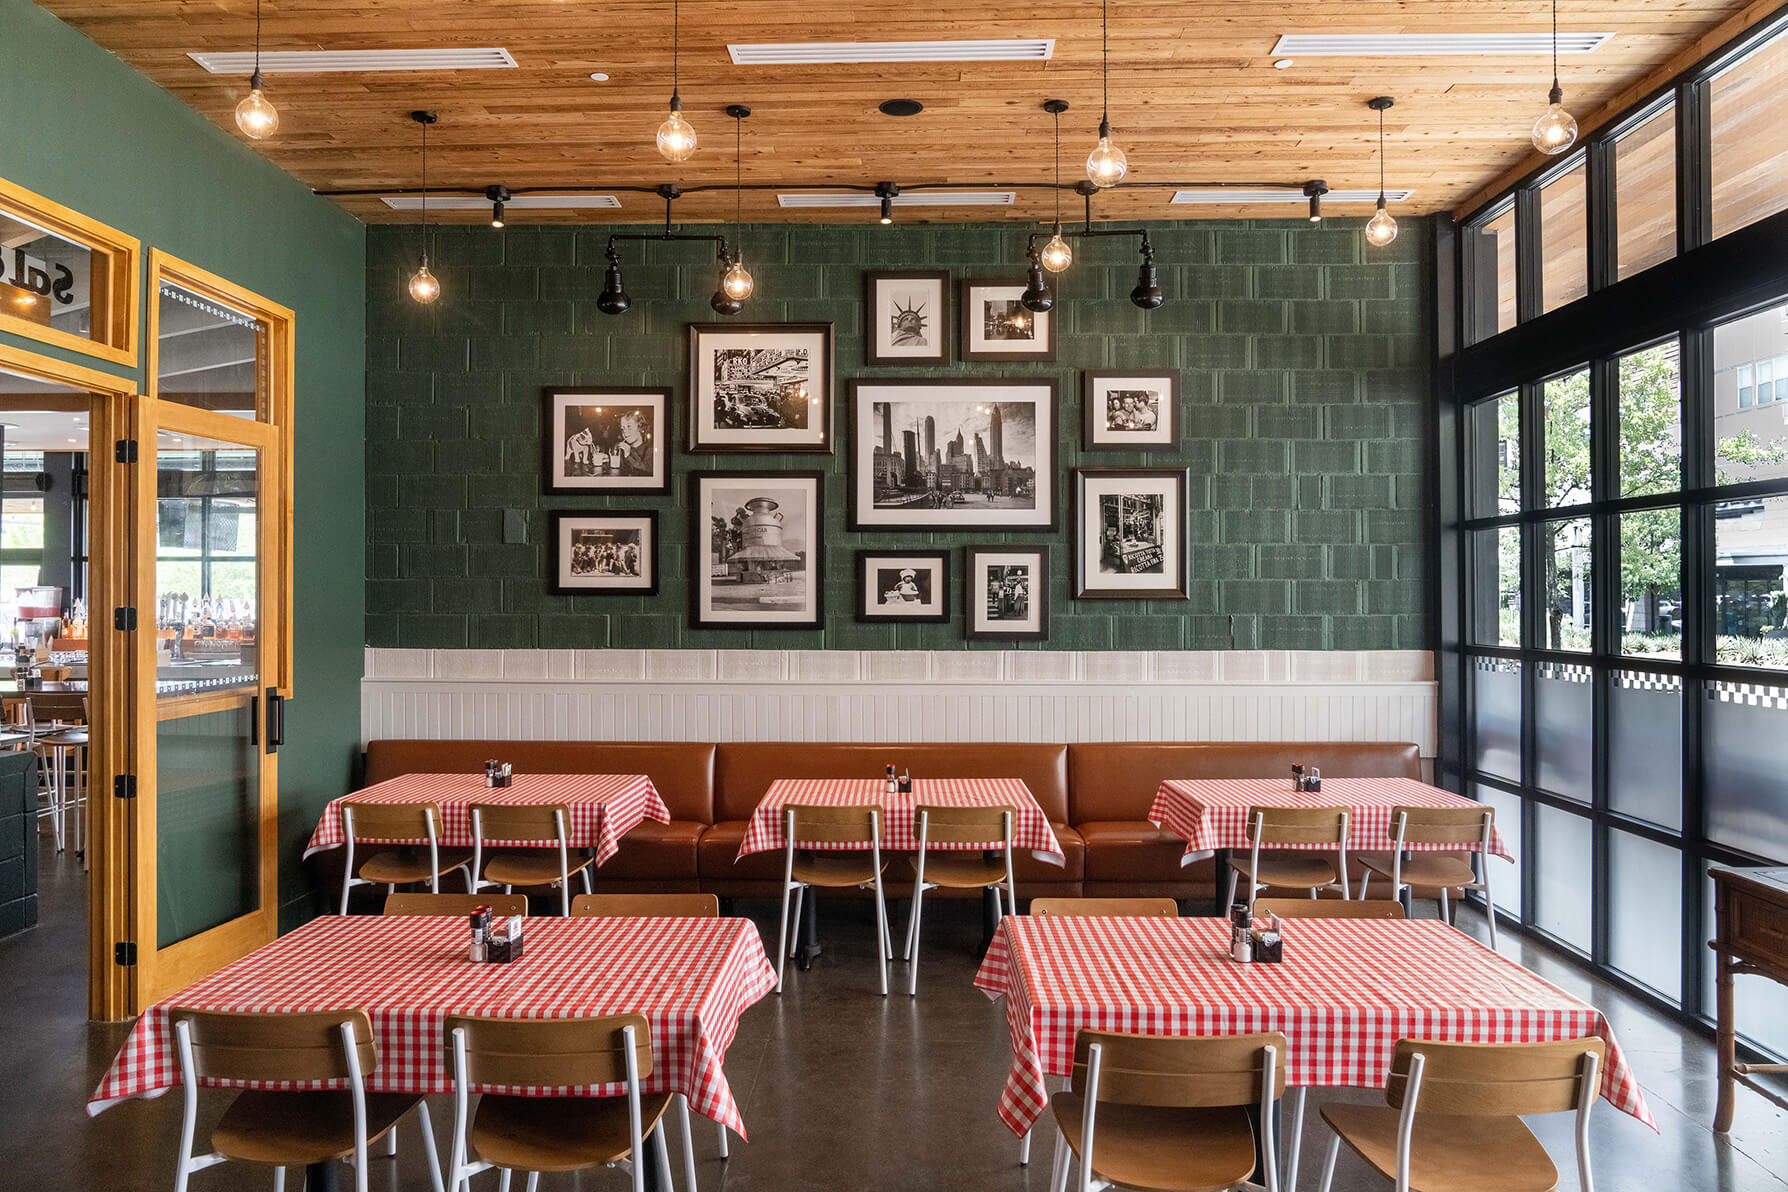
x,y
1645,746
1564,238
1567,439
1504,876
209,355
1496,707
1759,1005
1649,386
21,526
51,280
207,564
1743,726
1565,583
1651,582
1644,907
1750,154
207,812
1496,586
1490,276
1750,606
1564,717
1645,194
1750,434
1561,874
1495,438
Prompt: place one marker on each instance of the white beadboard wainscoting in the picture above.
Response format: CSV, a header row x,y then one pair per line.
x,y
841,695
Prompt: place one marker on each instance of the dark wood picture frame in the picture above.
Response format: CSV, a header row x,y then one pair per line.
x,y
700,444
555,581
944,599
1090,384
944,323
553,447
1181,479
968,308
698,538
1039,594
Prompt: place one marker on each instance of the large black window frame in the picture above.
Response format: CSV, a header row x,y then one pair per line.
x,y
1680,300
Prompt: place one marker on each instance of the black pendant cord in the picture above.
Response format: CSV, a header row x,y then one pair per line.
x,y
1381,157
1058,172
1555,45
676,48
1104,66
254,81
739,186
425,194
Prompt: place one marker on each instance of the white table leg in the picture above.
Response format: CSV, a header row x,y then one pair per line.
x,y
1295,1143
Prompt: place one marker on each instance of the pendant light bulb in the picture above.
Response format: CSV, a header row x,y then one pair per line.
x,y
1556,129
1106,165
1056,255
255,115
737,281
1381,229
425,287
676,136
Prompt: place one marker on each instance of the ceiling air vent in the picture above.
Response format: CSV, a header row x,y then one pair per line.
x,y
949,198
355,61
518,203
804,53
1469,45
1231,196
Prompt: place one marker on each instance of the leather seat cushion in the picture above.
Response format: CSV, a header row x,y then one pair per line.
x,y
718,847
1133,851
656,851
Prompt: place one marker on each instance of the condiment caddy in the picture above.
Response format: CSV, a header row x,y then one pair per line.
x,y
899,784
1306,781
1249,944
494,943
497,774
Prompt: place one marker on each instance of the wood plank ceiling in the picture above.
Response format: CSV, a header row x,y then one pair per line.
x,y
1194,95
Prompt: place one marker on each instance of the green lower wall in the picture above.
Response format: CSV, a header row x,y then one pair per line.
x,y
1304,384
89,132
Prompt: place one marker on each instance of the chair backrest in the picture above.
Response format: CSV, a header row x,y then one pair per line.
x,y
1494,1079
1298,825
67,706
1164,1070
991,826
646,906
1329,908
55,674
1442,825
811,823
1123,908
276,1047
551,1052
455,904
390,821
545,822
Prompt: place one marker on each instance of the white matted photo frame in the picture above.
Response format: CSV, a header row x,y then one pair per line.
x,y
606,440
945,453
903,585
1131,409
760,387
995,326
1007,593
757,549
614,551
906,316
1131,539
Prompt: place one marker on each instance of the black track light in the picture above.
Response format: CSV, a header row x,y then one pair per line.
x,y
1147,293
1037,296
885,191
887,211
498,195
613,300
1316,188
723,305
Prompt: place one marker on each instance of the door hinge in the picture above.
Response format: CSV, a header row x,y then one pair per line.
x,y
125,451
124,786
124,953
124,618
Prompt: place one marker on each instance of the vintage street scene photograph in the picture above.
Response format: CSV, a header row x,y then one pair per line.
x,y
1130,534
757,541
760,389
1008,593
996,325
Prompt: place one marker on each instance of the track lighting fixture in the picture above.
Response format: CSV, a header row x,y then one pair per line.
x,y
886,192
676,136
498,195
1106,165
1381,229
613,300
1056,255
1037,296
255,115
1556,129
1315,189
425,287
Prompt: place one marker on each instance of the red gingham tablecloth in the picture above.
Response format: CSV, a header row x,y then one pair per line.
x,y
691,978
604,807
1030,827
1212,813
1347,991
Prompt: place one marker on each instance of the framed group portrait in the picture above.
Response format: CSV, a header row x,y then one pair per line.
x,y
760,387
614,551
1131,409
606,440
757,549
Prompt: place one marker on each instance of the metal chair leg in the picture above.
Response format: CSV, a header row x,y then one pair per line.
x,y
688,1142
782,939
428,1147
1058,1173
1024,1150
1295,1144
1229,899
912,951
1328,1164
661,1157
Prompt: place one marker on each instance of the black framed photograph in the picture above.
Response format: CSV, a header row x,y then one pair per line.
x,y
906,316
760,387
996,326
612,551
757,543
1131,541
606,440
1131,410
1008,593
903,585
945,453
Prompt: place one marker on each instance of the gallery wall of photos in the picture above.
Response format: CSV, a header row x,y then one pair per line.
x,y
885,449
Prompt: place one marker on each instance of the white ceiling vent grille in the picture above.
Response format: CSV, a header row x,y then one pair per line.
x,y
801,53
355,61
1470,45
518,203
1237,196
949,198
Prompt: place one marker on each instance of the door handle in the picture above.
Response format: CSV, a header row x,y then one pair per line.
x,y
274,733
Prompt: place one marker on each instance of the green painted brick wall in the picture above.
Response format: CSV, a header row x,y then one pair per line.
x,y
1304,382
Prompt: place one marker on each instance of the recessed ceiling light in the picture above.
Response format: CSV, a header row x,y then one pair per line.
x,y
900,107
515,203
598,77
949,198
1332,45
355,61
1284,64
798,53
1230,196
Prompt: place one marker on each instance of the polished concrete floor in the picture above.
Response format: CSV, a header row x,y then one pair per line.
x,y
842,1090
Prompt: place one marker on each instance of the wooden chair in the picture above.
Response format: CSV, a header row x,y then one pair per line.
x,y
281,1129
1168,1114
547,862
1445,871
1123,908
556,1134
1301,869
418,822
455,904
646,906
1452,1115
55,674
1328,908
990,828
805,826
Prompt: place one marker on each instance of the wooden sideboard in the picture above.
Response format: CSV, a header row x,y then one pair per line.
x,y
1750,936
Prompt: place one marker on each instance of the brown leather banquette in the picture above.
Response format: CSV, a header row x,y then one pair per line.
x,y
1096,795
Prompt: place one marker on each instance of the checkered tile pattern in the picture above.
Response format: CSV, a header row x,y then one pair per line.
x,y
1030,829
604,807
1346,993
1212,813
691,978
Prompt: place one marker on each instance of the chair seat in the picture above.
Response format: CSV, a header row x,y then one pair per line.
x,y
854,868
535,867
1448,1153
1157,1149
1289,871
411,865
961,870
1434,870
292,1129
558,1133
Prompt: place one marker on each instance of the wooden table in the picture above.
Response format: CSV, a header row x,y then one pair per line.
x,y
1750,936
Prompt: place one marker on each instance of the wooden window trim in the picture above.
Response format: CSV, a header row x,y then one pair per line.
x,y
114,304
